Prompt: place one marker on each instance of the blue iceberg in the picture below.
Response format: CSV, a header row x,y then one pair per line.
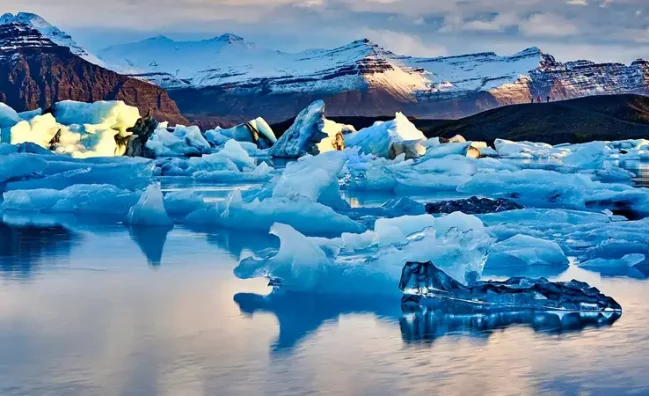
x,y
424,285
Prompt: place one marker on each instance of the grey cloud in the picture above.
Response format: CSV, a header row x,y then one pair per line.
x,y
612,29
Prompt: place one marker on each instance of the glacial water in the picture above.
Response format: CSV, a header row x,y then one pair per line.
x,y
93,308
101,309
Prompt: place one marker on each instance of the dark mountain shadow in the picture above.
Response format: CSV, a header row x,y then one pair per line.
x,y
151,241
301,314
24,247
427,327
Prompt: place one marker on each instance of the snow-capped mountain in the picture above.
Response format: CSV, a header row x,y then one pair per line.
x,y
36,72
229,76
51,32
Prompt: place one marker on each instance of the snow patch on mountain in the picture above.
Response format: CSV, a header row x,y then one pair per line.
x,y
51,32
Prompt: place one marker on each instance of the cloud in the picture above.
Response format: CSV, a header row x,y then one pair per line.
x,y
403,43
548,25
498,23
433,26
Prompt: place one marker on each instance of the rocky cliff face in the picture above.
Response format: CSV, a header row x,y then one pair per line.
x,y
36,72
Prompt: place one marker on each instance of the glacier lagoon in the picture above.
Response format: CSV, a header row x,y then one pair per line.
x,y
129,275
103,309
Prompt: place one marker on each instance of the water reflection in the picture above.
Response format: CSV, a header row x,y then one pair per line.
x,y
24,247
427,326
151,241
301,314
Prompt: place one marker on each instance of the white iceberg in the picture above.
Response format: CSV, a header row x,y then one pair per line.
x,y
178,141
82,198
389,139
309,217
371,263
150,209
524,251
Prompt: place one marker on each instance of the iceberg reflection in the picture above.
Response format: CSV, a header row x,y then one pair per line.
x,y
23,247
301,314
422,325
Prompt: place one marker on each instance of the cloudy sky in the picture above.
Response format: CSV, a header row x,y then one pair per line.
x,y
601,30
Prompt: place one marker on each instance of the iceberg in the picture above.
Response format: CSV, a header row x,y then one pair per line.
x,y
81,198
18,166
61,172
629,260
524,251
8,117
425,285
551,189
389,139
256,131
473,205
178,141
308,133
309,217
150,209
367,264
73,128
181,203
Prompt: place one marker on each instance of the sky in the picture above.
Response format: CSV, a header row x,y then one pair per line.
x,y
599,30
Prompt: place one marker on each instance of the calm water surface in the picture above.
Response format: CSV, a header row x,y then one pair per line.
x,y
92,309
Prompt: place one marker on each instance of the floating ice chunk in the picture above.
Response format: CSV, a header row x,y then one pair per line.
x,y
335,139
297,265
17,166
178,141
8,117
130,175
389,139
256,131
304,135
543,188
261,174
367,264
507,148
488,152
524,251
116,114
424,284
150,209
447,149
82,198
313,177
473,205
182,203
40,130
590,156
28,115
193,137
301,213
238,155
628,261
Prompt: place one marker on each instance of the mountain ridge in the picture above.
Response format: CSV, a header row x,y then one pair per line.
x,y
36,72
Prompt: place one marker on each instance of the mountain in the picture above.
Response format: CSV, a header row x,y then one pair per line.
x,y
601,117
37,70
51,32
229,77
